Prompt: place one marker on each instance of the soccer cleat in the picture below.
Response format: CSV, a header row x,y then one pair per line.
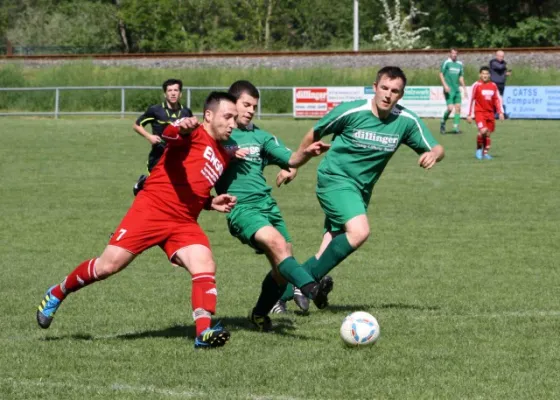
x,y
138,186
212,337
301,300
261,322
325,287
279,307
442,128
488,156
457,131
478,154
47,309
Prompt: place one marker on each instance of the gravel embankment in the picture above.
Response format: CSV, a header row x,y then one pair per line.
x,y
422,61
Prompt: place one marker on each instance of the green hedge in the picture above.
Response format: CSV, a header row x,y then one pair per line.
x,y
87,74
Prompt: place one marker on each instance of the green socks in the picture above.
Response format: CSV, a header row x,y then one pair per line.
x,y
445,116
337,250
307,266
456,120
294,273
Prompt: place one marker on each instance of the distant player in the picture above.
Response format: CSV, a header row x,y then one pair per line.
x,y
484,103
366,134
159,116
256,219
451,76
165,214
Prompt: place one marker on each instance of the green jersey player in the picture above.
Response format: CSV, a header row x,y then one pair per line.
x,y
256,219
451,75
366,134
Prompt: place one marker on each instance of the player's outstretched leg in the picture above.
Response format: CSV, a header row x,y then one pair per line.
x,y
47,309
213,337
83,275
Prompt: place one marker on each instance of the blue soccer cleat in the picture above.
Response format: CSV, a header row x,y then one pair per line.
x,y
212,337
47,309
478,154
488,156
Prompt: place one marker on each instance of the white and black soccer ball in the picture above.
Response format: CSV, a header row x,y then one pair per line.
x,y
359,329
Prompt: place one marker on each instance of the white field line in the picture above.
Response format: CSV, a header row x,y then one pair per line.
x,y
119,387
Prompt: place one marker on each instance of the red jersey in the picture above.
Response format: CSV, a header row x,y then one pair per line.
x,y
181,181
485,98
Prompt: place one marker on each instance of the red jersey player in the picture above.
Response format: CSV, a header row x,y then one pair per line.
x,y
485,102
165,214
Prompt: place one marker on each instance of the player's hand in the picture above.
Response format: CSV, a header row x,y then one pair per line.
x,y
223,203
317,148
469,119
427,160
241,153
446,89
285,177
501,116
187,125
154,139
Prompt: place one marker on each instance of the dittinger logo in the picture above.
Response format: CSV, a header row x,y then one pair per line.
x,y
379,141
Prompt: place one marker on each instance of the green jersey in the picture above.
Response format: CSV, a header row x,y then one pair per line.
x,y
363,144
244,178
452,71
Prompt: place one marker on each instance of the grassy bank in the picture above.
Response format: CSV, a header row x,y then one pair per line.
x,y
87,74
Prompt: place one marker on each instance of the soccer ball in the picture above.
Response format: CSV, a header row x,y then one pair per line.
x,y
359,329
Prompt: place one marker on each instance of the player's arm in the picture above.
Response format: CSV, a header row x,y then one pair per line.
x,y
442,78
142,121
421,140
474,90
174,134
462,82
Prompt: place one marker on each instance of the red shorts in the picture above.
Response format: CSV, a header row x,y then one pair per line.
x,y
145,226
485,121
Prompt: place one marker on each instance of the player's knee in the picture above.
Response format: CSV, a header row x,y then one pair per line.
x,y
358,235
105,267
277,246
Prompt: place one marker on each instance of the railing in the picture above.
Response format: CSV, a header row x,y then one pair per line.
x,y
188,94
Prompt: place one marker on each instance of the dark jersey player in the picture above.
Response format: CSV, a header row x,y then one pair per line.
x,y
159,116
165,214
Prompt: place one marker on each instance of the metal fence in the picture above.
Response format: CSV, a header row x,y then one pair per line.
x,y
187,93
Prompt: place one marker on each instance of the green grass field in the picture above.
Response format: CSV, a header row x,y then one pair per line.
x,y
461,271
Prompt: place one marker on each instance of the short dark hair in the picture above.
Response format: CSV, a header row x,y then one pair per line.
x,y
239,87
484,68
172,81
392,73
215,98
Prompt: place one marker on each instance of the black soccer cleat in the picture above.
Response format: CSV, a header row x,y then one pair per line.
x,y
325,286
138,186
301,300
442,128
279,307
261,322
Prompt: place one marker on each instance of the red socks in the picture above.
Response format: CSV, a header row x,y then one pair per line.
x,y
204,299
83,275
479,141
487,143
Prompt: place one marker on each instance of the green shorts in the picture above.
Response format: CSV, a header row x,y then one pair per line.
x,y
453,97
340,201
246,219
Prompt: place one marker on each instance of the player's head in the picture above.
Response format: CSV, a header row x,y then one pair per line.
x,y
484,73
500,55
247,96
172,88
220,114
453,54
389,87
